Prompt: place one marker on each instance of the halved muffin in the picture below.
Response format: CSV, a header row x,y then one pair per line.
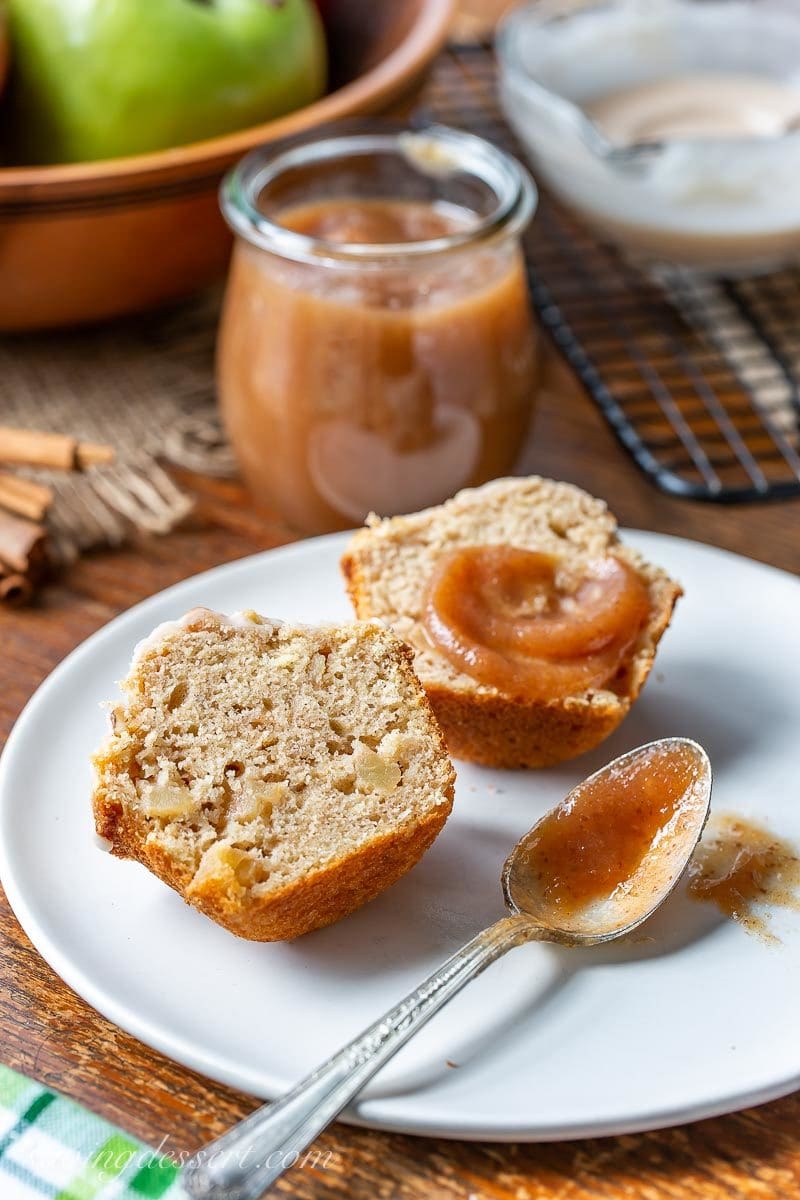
x,y
389,566
276,776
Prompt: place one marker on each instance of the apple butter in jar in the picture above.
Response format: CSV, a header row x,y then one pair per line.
x,y
377,349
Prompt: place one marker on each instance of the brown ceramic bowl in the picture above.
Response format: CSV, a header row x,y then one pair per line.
x,y
93,240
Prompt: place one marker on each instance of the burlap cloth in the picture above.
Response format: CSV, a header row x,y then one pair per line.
x,y
146,386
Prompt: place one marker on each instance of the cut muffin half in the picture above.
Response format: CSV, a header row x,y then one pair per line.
x,y
276,776
388,567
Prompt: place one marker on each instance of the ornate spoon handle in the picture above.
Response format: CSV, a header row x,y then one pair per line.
x,y
247,1160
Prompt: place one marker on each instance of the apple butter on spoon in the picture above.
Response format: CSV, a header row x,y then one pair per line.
x,y
614,844
593,869
501,615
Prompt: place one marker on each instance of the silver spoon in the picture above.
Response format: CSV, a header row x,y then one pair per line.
x,y
246,1160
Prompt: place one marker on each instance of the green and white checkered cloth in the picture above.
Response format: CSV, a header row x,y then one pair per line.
x,y
50,1146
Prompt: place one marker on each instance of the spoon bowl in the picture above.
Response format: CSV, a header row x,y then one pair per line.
x,y
639,887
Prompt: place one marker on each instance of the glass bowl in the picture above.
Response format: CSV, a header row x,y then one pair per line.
x,y
721,205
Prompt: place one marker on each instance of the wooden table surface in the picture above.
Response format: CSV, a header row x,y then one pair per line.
x,y
49,1033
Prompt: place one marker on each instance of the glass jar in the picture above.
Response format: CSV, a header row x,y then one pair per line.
x,y
377,350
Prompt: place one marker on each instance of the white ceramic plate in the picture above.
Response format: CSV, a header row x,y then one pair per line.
x,y
694,1018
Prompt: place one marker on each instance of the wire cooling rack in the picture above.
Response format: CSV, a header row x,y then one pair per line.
x,y
698,379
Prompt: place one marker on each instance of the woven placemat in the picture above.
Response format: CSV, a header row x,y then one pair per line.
x,y
145,385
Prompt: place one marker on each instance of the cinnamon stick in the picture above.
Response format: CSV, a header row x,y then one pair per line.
x,y
15,588
58,450
23,497
93,454
22,546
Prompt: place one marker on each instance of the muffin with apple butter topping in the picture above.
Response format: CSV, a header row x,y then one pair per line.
x,y
534,627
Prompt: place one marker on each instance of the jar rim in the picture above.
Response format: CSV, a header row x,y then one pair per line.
x,y
436,150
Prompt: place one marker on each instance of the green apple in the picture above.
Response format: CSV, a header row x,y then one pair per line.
x,y
3,44
101,78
